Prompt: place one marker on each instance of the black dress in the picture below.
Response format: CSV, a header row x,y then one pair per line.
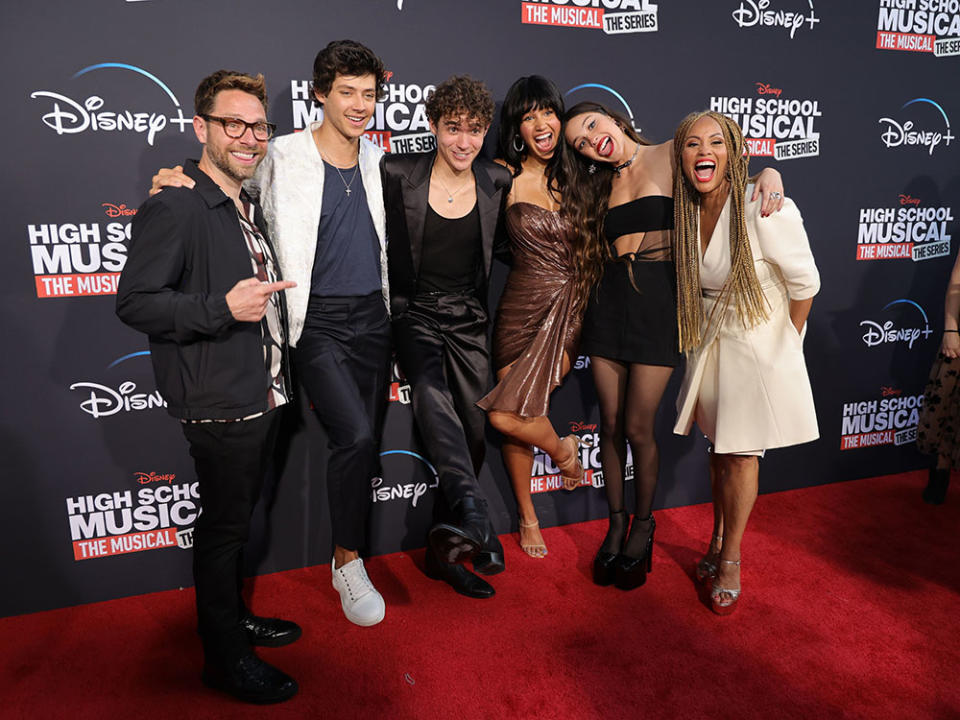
x,y
631,316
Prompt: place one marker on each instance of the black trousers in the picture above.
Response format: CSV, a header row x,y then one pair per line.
x,y
343,361
231,460
441,345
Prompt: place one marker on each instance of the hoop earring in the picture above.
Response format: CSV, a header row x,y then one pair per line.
x,y
522,145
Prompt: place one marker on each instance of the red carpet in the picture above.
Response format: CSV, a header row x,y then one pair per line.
x,y
850,610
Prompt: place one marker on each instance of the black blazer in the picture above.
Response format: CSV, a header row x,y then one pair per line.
x,y
406,190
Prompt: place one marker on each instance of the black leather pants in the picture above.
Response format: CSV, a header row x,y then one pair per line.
x,y
441,345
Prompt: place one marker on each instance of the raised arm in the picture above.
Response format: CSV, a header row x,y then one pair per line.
x,y
769,186
783,241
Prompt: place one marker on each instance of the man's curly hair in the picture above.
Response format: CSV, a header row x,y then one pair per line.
x,y
460,95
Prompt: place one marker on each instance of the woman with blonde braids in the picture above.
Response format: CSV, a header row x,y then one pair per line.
x,y
745,286
623,207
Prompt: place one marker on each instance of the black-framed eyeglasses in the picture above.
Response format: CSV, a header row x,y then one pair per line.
x,y
235,127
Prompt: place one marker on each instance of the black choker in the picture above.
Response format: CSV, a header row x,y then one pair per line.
x,y
624,166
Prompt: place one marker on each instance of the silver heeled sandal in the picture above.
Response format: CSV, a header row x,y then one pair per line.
x,y
716,602
706,569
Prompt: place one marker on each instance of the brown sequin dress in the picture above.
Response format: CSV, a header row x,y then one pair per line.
x,y
539,316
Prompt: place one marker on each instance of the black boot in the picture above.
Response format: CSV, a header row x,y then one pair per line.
x,y
936,491
631,569
489,560
458,542
603,562
457,577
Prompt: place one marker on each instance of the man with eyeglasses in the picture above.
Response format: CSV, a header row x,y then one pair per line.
x,y
202,281
322,196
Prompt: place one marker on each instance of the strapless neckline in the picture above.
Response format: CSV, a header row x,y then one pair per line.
x,y
530,204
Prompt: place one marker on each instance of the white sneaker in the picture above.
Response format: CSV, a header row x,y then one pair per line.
x,y
361,602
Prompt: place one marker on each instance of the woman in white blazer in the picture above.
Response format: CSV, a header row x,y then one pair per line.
x,y
745,286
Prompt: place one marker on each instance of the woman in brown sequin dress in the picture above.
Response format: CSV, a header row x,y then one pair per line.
x,y
538,321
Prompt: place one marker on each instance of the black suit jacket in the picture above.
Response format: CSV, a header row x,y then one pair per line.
x,y
406,190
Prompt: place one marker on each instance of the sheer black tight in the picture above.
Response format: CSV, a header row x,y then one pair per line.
x,y
629,395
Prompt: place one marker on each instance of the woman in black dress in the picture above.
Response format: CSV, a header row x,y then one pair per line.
x,y
624,199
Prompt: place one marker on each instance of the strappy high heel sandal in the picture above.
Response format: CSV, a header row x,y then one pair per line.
x,y
720,605
707,567
571,470
538,550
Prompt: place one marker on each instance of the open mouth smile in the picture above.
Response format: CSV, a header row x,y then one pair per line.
x,y
704,170
247,158
544,141
605,147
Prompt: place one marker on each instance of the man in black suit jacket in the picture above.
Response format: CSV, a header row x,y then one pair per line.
x,y
443,209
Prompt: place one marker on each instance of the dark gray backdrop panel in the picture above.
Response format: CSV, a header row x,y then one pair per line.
x,y
148,56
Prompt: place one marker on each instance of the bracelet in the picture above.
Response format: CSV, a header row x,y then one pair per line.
x,y
956,331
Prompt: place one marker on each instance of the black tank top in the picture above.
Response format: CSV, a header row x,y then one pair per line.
x,y
450,258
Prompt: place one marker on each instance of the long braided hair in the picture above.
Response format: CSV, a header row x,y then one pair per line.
x,y
586,205
742,287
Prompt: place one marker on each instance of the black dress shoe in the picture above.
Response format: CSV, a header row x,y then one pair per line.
x,y
453,543
458,577
456,543
250,679
270,632
489,561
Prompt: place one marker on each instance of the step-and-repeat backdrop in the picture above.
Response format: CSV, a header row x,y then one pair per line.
x,y
854,103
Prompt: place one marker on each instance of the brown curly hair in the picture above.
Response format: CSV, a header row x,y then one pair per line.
x,y
460,95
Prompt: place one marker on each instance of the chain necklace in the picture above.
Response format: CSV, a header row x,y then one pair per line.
x,y
346,185
356,169
450,195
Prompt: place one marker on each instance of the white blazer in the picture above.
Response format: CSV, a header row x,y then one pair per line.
x,y
290,185
764,398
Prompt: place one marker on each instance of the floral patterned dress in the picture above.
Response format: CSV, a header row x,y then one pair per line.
x,y
937,433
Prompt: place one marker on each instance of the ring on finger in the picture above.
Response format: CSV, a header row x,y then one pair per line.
x,y
775,195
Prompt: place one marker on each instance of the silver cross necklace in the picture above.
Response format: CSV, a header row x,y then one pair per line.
x,y
356,169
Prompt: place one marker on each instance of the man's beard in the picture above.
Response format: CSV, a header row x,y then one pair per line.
x,y
223,162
